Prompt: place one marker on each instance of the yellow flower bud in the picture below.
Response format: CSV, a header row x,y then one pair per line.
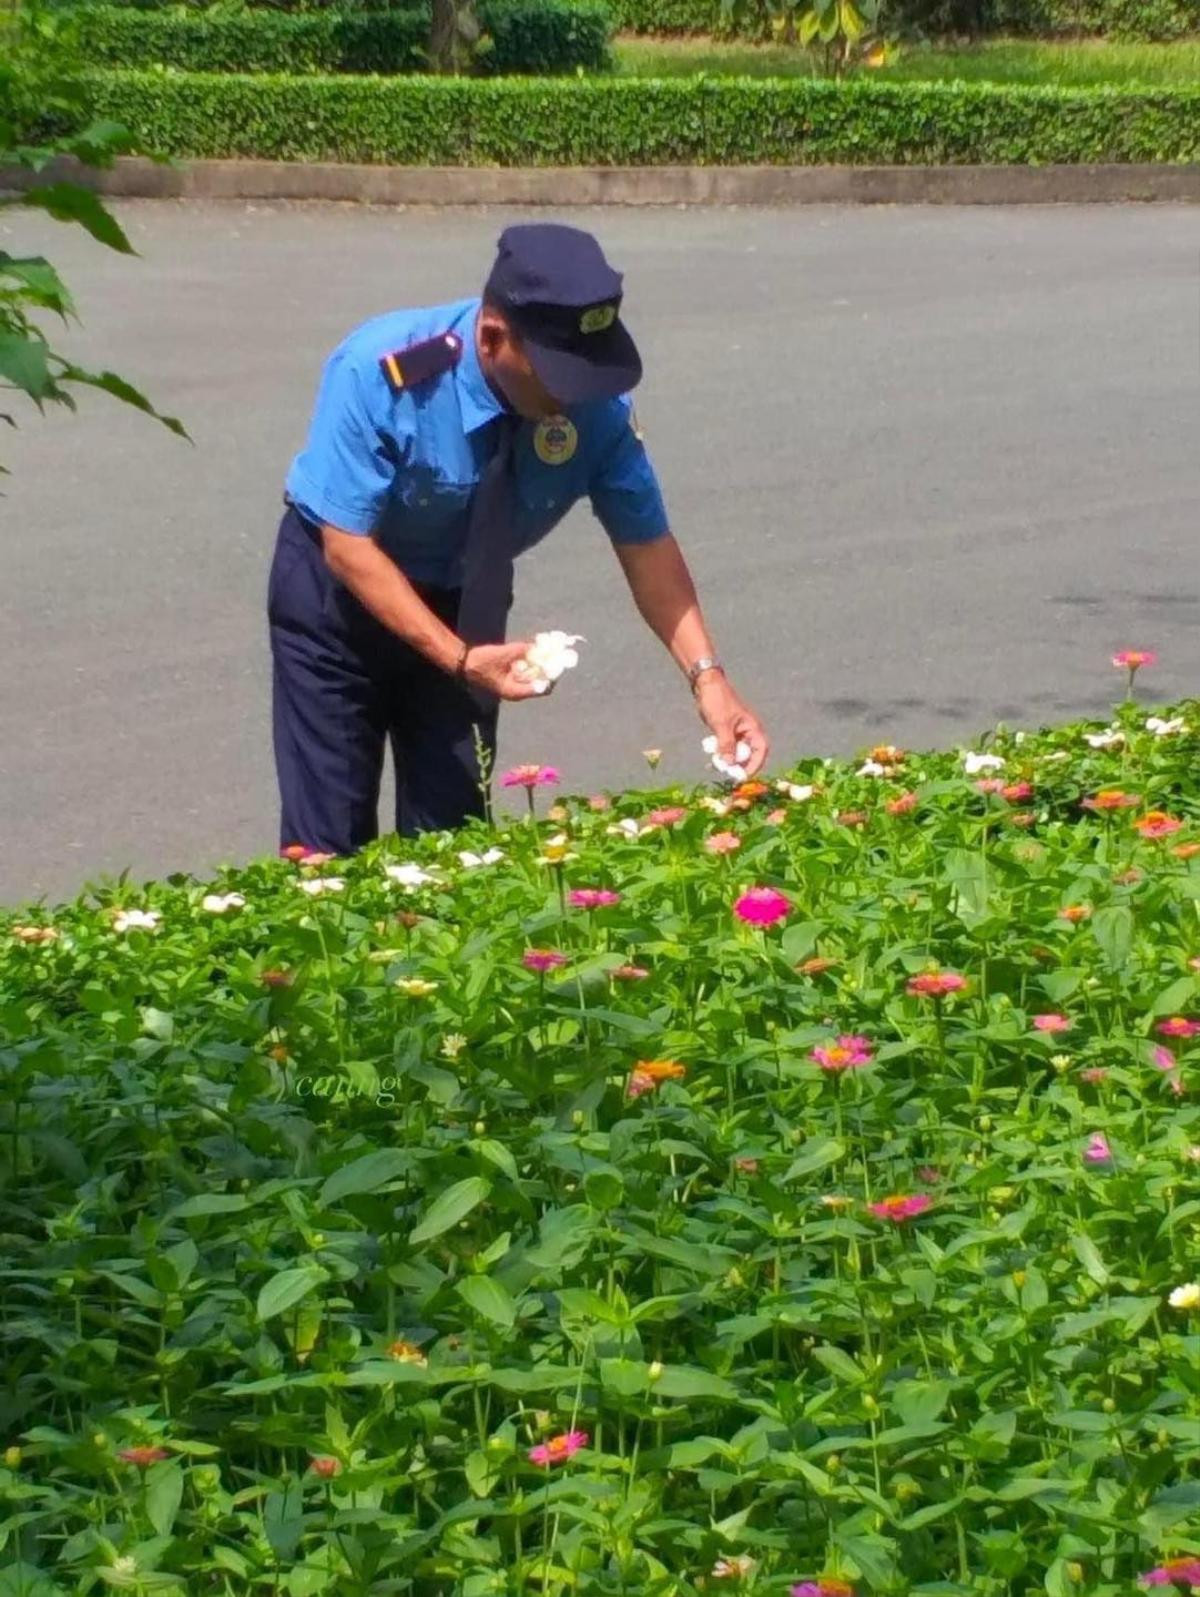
x,y
654,1371
12,1457
1074,1571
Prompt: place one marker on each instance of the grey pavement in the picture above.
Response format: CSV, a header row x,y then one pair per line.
x,y
931,466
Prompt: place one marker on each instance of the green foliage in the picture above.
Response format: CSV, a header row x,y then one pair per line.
x,y
256,41
38,84
534,36
290,1179
522,36
548,122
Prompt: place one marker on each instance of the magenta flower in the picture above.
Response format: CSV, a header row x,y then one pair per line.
x,y
1163,1058
592,898
542,959
1177,1026
1175,1572
530,776
898,1208
558,1449
629,973
761,906
1094,1073
936,984
847,1053
827,1586
990,784
1134,659
1051,1023
1097,1151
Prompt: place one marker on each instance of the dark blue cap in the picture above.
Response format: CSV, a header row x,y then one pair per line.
x,y
563,298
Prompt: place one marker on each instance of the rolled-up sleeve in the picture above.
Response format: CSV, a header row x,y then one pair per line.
x,y
345,471
624,488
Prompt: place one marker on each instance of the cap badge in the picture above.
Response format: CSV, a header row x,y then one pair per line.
x,y
555,440
597,319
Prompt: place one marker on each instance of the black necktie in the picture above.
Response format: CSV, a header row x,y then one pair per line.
x,y
488,555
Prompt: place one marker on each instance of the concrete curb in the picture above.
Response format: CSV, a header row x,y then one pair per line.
x,y
638,185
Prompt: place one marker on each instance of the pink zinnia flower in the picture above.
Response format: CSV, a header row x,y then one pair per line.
x,y
1156,823
143,1456
902,804
899,1208
542,959
847,1053
326,1467
1015,792
990,784
530,776
669,816
826,1586
1177,1026
1163,1058
1097,1150
852,818
558,1449
761,906
722,843
592,898
1094,1073
1134,659
936,984
775,817
629,973
599,802
1051,1023
1175,1572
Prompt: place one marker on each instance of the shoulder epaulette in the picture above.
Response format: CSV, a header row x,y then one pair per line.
x,y
405,368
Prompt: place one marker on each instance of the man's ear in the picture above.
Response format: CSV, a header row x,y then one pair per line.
x,y
492,332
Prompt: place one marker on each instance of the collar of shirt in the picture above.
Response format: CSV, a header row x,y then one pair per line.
x,y
476,400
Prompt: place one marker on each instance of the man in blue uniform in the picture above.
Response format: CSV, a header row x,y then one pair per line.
x,y
445,442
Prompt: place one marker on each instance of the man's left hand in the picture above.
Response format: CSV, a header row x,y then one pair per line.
x,y
731,721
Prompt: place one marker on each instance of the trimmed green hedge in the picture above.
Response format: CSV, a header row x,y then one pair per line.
x,y
544,36
552,122
256,41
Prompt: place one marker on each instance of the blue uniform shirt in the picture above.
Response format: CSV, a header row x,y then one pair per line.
x,y
405,465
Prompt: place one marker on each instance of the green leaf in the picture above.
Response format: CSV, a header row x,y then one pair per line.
x,y
68,202
679,1380
367,1174
164,1493
24,362
1087,1254
285,1290
452,1206
1112,927
839,1364
489,1298
819,1153
603,1189
210,1203
921,1402
496,1153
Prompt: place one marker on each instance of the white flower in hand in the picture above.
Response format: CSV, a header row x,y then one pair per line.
x,y
549,655
734,770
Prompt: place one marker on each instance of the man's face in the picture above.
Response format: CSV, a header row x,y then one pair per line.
x,y
507,366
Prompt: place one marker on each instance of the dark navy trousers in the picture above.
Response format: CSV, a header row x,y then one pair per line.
x,y
343,686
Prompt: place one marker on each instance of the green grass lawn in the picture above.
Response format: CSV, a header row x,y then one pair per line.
x,y
999,61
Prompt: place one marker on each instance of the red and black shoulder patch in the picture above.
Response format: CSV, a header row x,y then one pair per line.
x,y
405,368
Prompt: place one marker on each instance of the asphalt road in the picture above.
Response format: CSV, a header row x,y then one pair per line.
x,y
931,467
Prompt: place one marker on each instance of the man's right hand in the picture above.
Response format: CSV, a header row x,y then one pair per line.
x,y
496,668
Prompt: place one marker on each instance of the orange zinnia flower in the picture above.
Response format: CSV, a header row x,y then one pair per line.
x,y
648,1074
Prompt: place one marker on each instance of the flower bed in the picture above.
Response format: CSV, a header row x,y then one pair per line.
x,y
787,1187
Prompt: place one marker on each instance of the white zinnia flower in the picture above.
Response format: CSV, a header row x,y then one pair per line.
x,y
871,768
316,885
136,920
221,903
1186,1296
408,876
1110,739
550,654
626,827
470,862
973,764
796,791
735,769
719,807
1164,729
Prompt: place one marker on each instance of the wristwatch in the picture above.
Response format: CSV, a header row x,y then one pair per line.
x,y
703,664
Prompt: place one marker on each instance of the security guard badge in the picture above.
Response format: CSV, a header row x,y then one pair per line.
x,y
555,440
